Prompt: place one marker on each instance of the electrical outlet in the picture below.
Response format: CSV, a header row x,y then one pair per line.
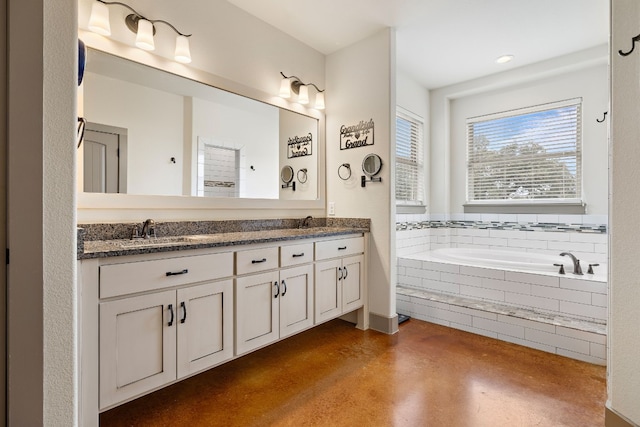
x,y
332,208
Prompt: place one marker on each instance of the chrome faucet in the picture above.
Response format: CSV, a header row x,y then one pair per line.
x,y
148,229
305,222
576,263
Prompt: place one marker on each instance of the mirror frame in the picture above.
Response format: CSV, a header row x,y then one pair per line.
x,y
102,207
376,159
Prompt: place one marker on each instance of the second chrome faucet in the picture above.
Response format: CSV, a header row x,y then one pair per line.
x,y
576,263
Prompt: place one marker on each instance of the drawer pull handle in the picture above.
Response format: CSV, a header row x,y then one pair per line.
x,y
277,289
177,273
342,248
170,311
184,311
340,271
284,287
346,273
298,255
258,261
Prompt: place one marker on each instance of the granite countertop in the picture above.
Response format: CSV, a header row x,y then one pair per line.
x,y
101,242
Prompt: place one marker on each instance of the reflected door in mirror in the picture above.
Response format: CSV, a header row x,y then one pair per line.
x,y
100,162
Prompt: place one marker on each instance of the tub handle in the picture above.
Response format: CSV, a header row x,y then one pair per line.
x,y
562,268
590,270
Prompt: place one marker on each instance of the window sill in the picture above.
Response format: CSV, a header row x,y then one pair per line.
x,y
411,209
569,208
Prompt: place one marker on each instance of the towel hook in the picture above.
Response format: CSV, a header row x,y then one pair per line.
x,y
604,117
633,46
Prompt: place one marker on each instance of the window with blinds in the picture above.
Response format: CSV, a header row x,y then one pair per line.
x,y
409,160
528,154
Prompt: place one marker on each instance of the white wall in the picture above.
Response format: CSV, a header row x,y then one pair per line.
x,y
154,123
583,74
227,125
624,297
295,125
361,86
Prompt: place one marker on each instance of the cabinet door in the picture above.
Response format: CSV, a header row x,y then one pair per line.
x,y
296,299
205,326
328,290
137,345
352,269
256,311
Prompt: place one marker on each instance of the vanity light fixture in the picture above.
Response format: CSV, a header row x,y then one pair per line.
x,y
293,84
143,27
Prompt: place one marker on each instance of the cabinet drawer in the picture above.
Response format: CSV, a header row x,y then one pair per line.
x,y
256,260
339,248
296,254
140,276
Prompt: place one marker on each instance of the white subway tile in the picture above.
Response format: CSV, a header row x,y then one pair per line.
x,y
595,219
570,219
457,217
412,282
571,344
584,310
581,335
441,266
423,274
473,330
450,316
489,241
472,217
500,328
601,248
438,286
589,238
507,234
482,293
532,301
599,300
474,312
407,262
461,279
583,285
488,217
528,244
475,232
549,236
535,279
525,218
525,323
548,218
482,272
571,246
530,344
508,217
439,231
472,246
561,294
462,239
598,350
509,286
582,357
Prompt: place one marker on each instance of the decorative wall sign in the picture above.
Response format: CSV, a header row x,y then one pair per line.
x,y
360,135
299,146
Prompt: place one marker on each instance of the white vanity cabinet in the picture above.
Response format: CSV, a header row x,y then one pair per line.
x,y
339,276
152,339
273,304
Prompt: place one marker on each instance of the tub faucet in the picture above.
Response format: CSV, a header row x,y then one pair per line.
x,y
305,222
576,263
148,229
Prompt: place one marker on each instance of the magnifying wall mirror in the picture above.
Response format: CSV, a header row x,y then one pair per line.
x,y
371,166
286,175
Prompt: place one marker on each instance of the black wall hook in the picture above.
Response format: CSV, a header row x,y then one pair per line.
x,y
633,46
604,117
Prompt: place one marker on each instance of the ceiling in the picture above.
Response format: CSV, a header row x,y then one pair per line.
x,y
442,42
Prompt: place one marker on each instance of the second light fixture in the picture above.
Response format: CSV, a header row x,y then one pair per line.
x,y
293,84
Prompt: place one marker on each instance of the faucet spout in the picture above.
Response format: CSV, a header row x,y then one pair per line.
x,y
305,222
576,263
149,229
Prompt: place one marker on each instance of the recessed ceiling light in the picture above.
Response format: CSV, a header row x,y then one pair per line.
x,y
504,59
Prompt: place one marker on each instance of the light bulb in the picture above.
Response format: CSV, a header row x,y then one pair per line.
x,y
99,19
319,101
303,95
144,39
285,88
183,53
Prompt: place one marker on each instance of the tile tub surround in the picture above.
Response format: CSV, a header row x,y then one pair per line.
x,y
559,314
100,240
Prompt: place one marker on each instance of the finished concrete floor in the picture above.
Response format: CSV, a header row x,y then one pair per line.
x,y
336,375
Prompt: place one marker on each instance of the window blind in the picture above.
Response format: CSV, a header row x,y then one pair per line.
x,y
409,161
528,154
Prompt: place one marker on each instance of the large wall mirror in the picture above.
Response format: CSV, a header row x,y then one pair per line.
x,y
150,132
